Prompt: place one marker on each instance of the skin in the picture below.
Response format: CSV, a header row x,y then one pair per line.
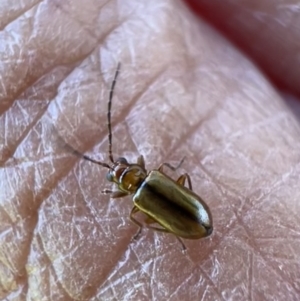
x,y
183,90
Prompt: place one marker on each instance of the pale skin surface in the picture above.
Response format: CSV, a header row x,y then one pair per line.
x,y
183,90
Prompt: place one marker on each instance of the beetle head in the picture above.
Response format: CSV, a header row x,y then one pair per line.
x,y
127,176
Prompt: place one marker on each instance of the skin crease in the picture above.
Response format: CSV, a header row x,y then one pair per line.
x,y
183,90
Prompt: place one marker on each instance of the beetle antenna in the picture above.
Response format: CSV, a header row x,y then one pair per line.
x,y
85,157
111,93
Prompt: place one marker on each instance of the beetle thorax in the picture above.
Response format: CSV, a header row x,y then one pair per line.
x,y
131,178
128,177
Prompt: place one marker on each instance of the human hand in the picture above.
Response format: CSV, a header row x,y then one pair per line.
x,y
183,90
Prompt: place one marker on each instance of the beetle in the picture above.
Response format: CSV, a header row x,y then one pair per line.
x,y
163,201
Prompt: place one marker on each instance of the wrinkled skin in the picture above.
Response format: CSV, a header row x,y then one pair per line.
x,y
183,90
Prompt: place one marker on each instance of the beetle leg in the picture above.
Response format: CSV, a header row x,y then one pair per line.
x,y
114,194
141,161
182,178
183,247
160,168
150,220
134,211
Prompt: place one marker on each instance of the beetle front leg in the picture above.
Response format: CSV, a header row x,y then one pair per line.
x,y
174,168
134,211
182,178
114,194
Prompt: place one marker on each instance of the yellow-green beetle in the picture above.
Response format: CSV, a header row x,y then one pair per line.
x,y
168,203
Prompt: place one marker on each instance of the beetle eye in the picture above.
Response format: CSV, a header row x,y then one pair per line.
x,y
109,177
122,160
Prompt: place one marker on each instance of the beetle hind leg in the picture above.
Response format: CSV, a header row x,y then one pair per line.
x,y
149,220
183,247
